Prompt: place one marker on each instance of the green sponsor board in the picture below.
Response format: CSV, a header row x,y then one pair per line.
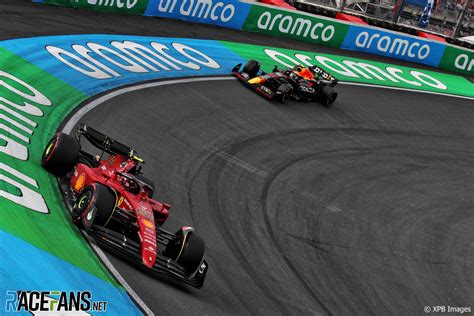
x,y
118,6
458,60
32,105
358,70
295,25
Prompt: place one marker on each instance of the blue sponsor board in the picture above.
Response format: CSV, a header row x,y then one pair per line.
x,y
394,45
96,63
226,13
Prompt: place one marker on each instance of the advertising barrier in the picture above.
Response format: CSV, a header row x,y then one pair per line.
x,y
292,24
117,6
295,25
379,42
458,59
226,13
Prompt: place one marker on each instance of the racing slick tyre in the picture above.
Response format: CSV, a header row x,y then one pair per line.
x,y
283,92
148,181
251,68
95,205
328,95
61,154
187,249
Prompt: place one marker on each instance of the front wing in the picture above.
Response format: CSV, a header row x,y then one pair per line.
x,y
130,250
259,88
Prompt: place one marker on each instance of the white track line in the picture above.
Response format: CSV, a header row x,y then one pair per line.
x,y
76,117
95,103
404,89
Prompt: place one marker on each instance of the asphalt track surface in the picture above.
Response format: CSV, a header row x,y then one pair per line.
x,y
363,208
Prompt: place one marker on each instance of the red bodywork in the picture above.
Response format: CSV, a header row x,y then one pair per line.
x,y
145,209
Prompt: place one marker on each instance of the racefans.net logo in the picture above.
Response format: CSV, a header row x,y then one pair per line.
x,y
77,302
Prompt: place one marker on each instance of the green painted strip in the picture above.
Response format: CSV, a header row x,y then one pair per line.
x,y
359,70
39,110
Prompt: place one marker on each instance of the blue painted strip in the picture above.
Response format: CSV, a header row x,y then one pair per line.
x,y
104,66
30,268
394,45
227,13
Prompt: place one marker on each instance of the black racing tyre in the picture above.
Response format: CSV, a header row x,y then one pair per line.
x,y
327,96
251,68
187,250
148,181
283,92
61,154
94,198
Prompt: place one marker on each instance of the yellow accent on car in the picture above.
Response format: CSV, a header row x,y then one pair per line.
x,y
137,158
255,80
81,201
49,148
148,223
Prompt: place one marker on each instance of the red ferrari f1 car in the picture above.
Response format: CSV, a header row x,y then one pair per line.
x,y
298,83
112,201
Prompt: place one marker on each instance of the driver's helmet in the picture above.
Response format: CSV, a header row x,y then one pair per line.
x,y
130,185
304,72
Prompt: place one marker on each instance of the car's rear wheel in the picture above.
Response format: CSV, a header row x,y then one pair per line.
x,y
95,205
251,68
187,249
283,92
328,95
61,154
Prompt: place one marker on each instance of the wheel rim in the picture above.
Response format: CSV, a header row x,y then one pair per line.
x,y
49,149
82,203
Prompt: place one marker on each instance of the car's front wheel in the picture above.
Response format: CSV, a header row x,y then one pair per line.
x,y
95,205
283,93
251,68
327,96
187,249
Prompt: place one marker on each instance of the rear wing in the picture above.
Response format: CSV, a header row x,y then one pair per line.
x,y
106,143
321,74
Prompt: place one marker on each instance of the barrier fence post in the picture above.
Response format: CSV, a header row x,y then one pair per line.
x,y
457,29
342,3
399,11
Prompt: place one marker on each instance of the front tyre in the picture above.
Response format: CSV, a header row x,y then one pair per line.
x,y
328,95
251,68
61,154
283,93
95,205
187,249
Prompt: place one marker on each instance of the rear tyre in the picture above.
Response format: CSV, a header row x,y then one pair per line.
x,y
283,92
187,250
251,68
95,205
61,154
328,95
148,181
